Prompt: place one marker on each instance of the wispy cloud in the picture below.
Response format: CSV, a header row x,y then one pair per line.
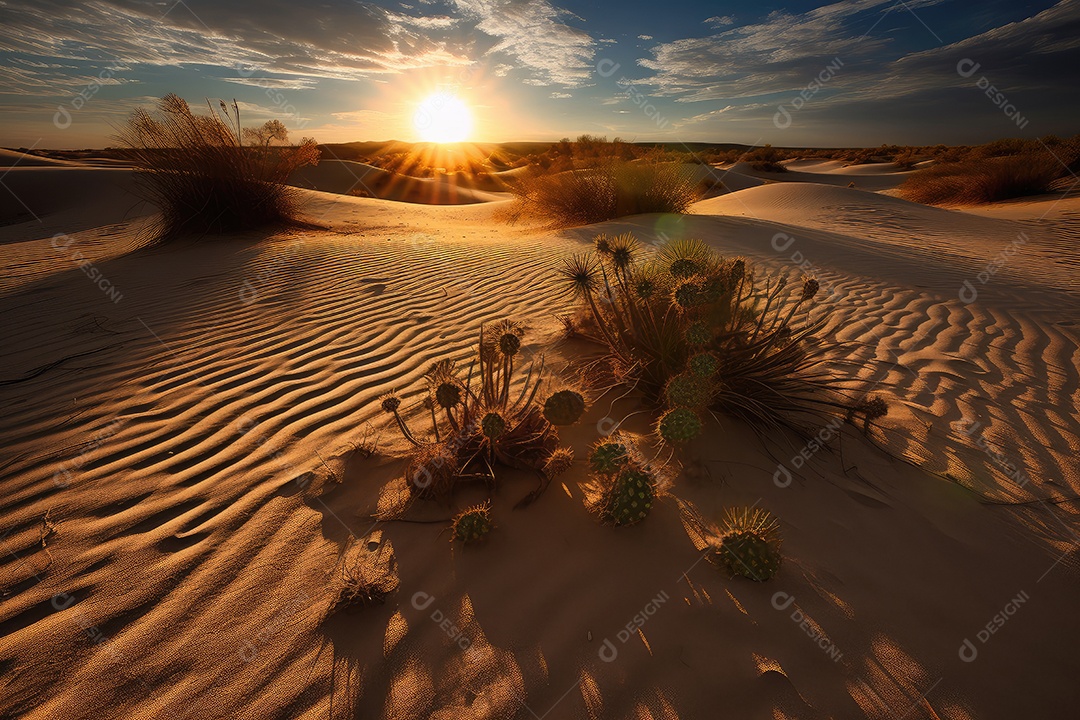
x,y
533,33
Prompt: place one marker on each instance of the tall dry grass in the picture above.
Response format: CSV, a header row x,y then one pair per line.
x,y
198,171
984,180
613,188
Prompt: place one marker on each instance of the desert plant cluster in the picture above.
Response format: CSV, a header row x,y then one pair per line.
x,y
698,332
489,416
209,174
610,189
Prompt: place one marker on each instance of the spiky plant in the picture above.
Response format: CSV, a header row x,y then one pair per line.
x,y
698,331
492,415
473,525
749,545
609,456
679,425
630,496
623,486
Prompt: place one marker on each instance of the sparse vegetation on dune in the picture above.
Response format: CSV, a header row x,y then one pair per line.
x,y
699,332
481,419
207,174
614,188
984,180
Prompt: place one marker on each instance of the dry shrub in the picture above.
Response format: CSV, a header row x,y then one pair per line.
x,y
986,180
614,188
699,332
199,172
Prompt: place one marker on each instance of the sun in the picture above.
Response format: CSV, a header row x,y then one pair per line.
x,y
443,118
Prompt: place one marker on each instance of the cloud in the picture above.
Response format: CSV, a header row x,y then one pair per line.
x,y
719,20
344,39
289,83
644,37
780,54
534,34
560,95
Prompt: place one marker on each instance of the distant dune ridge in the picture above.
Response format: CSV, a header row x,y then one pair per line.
x,y
182,469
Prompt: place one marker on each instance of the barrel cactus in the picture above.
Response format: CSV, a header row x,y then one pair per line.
x,y
679,425
698,333
703,365
473,525
630,497
564,407
493,425
687,390
609,457
750,545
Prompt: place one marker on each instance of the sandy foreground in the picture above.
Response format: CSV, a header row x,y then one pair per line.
x,y
180,474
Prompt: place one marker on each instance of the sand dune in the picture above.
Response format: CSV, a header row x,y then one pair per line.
x,y
874,177
180,478
354,178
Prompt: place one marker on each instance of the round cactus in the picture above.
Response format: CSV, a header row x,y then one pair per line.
x,y
689,294
609,457
448,394
564,407
750,547
703,365
509,344
630,497
687,390
472,525
684,268
679,425
698,333
645,288
493,425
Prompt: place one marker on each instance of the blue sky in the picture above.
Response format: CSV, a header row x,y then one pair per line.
x,y
858,72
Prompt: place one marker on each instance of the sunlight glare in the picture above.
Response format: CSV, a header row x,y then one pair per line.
x,y
443,118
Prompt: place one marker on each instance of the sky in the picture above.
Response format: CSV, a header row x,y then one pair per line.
x,y
796,74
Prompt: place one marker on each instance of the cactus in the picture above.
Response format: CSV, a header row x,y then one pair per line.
x,y
447,395
474,524
609,457
750,546
679,425
630,497
698,333
684,268
703,365
493,425
564,407
687,390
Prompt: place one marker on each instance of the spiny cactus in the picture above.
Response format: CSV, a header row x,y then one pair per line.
x,y
687,390
679,425
558,462
704,365
564,407
684,268
698,333
608,457
472,525
750,545
493,425
630,497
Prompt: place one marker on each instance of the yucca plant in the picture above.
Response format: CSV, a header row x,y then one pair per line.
x,y
480,419
202,175
699,332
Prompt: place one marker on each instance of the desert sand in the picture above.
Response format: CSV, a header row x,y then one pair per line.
x,y
182,469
